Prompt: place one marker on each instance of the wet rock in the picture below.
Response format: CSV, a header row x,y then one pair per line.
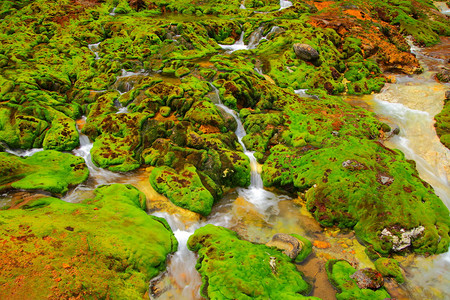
x,y
443,75
306,52
404,238
275,31
289,244
368,279
389,267
353,284
447,95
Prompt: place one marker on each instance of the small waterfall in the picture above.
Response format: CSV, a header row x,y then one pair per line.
x,y
253,42
259,70
20,152
97,176
285,4
182,279
443,8
94,49
255,193
239,45
113,12
242,6
302,93
255,38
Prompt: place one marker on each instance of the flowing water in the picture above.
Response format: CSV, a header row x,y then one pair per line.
x,y
411,104
256,213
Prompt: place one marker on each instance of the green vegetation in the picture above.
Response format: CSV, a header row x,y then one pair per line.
x,y
339,273
105,247
48,170
232,268
143,78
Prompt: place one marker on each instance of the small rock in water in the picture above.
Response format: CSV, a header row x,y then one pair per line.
x,y
286,242
447,95
443,75
306,52
368,279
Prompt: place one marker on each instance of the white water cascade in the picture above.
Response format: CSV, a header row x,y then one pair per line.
x,y
94,49
20,152
253,41
97,176
256,194
181,280
285,4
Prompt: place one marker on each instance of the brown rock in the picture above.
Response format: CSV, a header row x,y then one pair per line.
x,y
306,52
289,244
368,279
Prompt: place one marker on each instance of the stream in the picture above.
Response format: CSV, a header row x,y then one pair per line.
x,y
256,213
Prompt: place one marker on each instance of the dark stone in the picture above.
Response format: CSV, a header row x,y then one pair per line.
x,y
447,95
306,52
368,279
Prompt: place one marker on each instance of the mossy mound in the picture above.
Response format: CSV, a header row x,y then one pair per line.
x,y
105,247
339,272
47,170
232,268
184,189
389,267
443,124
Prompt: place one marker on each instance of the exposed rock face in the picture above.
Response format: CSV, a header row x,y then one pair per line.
x,y
405,239
368,279
289,244
306,52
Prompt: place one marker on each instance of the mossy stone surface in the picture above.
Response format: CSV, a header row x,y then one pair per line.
x,y
232,268
105,247
389,267
184,188
339,272
47,170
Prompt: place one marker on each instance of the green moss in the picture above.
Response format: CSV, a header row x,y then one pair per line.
x,y
184,188
232,268
107,246
339,272
306,248
443,124
390,267
49,170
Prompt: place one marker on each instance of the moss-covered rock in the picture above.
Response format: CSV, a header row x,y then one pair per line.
x,y
184,188
48,170
443,124
389,267
232,268
340,275
105,247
